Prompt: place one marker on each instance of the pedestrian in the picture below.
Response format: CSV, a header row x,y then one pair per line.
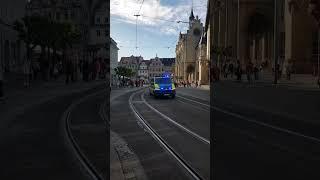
x,y
230,69
256,71
277,70
261,72
288,71
55,71
27,73
225,71
1,83
68,71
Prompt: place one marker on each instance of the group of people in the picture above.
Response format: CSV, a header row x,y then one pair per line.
x,y
187,83
94,70
130,83
252,71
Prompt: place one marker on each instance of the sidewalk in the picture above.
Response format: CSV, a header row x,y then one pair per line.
x,y
118,145
18,98
297,81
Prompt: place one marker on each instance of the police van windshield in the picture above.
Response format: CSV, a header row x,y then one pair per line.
x,y
163,81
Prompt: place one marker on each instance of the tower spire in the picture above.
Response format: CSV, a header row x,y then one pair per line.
x,y
191,17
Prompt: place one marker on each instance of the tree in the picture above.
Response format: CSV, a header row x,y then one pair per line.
x,y
29,31
48,34
123,71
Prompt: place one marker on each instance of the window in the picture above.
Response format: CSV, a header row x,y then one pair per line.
x,y
98,32
106,20
98,20
66,15
106,33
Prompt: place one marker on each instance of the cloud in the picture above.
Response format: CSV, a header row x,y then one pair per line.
x,y
156,14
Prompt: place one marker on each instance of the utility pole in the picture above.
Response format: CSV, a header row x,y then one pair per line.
x,y
137,15
275,42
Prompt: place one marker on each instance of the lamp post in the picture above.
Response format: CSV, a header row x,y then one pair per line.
x,y
275,42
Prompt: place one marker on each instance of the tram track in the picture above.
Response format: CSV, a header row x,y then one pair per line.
x,y
71,141
162,140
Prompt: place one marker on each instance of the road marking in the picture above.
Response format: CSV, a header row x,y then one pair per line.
x,y
175,123
161,141
193,100
257,122
194,106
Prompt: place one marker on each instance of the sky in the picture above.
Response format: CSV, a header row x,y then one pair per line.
x,y
157,27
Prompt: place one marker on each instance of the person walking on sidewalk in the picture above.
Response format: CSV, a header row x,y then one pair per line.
x,y
1,83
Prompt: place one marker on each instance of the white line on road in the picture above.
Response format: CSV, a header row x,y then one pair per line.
x,y
257,122
174,122
193,101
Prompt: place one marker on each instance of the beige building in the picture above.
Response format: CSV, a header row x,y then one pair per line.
x,y
202,62
155,67
186,50
252,39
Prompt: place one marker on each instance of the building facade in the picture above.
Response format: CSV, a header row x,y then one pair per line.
x,y
132,63
12,50
186,50
248,27
155,68
168,64
143,71
113,61
202,62
99,33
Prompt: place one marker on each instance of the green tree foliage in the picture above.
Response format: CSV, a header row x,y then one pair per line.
x,y
124,72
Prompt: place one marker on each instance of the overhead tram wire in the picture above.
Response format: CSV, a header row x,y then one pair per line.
x,y
163,19
137,15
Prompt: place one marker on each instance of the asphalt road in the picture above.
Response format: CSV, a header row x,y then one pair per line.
x,y
156,161
33,146
265,133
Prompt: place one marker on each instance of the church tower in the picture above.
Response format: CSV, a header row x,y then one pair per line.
x,y
191,18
